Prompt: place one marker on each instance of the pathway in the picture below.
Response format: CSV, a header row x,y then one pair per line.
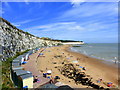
x,y
31,66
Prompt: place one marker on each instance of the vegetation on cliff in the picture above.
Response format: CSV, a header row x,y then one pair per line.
x,y
46,38
1,19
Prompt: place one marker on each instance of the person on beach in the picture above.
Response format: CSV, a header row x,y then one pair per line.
x,y
44,74
110,84
78,58
38,55
51,80
35,79
84,68
99,80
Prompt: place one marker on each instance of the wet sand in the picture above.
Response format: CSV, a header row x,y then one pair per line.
x,y
94,67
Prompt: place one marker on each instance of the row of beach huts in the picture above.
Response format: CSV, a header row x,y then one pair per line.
x,y
21,77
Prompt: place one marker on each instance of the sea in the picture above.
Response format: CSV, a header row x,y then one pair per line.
x,y
102,51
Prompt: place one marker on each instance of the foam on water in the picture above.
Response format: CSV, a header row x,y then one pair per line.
x,y
104,51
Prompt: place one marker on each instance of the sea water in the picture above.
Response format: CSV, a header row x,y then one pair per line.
x,y
103,51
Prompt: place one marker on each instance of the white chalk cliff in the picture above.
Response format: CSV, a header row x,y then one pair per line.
x,y
14,40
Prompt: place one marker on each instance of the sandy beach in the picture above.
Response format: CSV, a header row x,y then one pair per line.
x,y
54,58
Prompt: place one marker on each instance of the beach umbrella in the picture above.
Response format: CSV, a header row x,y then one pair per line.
x,y
49,71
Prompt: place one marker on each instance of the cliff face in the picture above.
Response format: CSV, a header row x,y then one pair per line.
x,y
13,40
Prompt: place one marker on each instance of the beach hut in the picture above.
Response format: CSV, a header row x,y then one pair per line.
x,y
27,56
16,61
15,64
34,50
22,60
25,81
37,48
17,77
21,72
19,57
13,74
17,68
30,52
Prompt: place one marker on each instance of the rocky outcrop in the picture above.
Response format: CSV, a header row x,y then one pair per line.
x,y
14,40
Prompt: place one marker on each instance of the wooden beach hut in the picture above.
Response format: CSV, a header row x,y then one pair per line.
x,y
27,56
13,74
26,81
16,61
18,80
17,68
15,64
19,57
30,52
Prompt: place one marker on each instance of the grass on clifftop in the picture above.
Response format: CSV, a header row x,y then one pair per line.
x,y
6,70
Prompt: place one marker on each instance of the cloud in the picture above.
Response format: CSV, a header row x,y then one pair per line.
x,y
75,30
1,11
88,20
76,3
17,25
21,22
83,21
68,26
24,22
6,7
91,10
27,2
73,27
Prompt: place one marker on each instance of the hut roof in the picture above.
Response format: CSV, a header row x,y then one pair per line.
x,y
15,64
16,61
21,72
16,68
19,57
28,75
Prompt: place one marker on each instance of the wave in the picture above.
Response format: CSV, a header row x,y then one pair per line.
x,y
105,52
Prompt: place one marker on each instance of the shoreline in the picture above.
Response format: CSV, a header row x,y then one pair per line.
x,y
109,63
94,67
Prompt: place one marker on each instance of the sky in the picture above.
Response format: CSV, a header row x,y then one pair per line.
x,y
91,22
